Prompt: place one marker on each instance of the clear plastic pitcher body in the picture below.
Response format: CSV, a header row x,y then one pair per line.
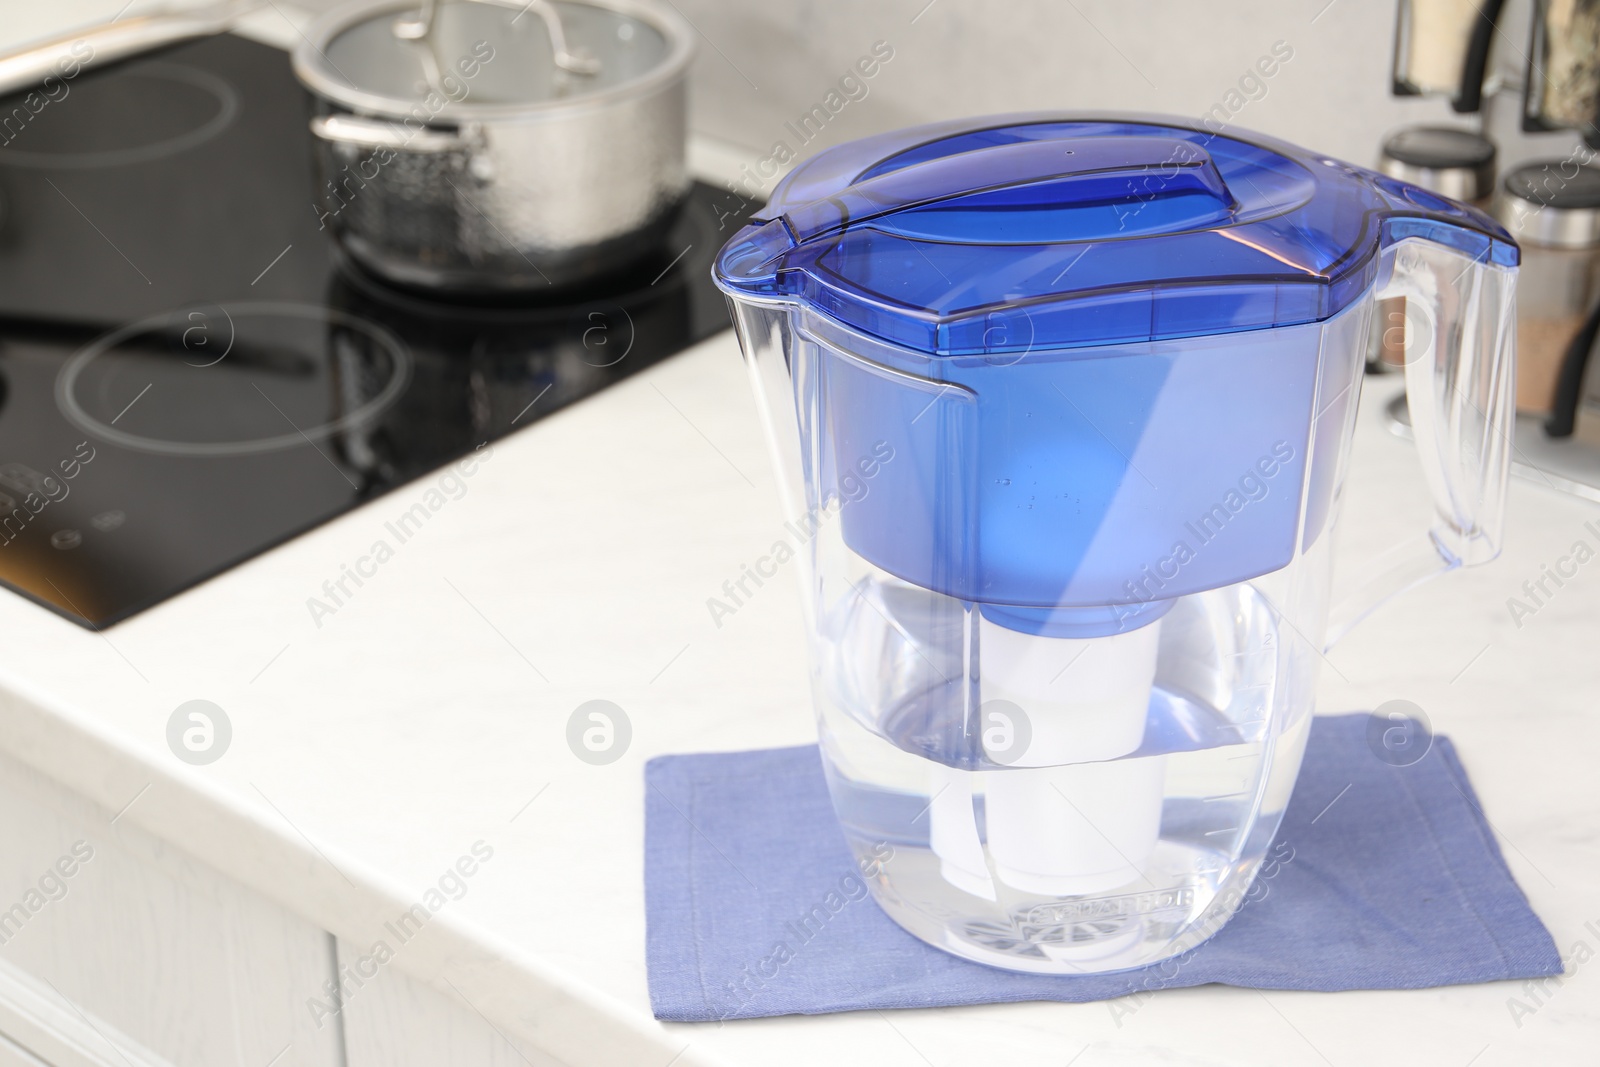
x,y
1068,551
1096,793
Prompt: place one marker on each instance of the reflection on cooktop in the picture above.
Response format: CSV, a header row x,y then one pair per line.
x,y
189,374
153,110
233,379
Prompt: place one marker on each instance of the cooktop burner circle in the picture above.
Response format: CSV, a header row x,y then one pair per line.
x,y
286,360
180,107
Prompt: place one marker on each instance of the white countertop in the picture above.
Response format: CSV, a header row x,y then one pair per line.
x,y
373,750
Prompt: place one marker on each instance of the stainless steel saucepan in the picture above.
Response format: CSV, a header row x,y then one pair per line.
x,y
498,146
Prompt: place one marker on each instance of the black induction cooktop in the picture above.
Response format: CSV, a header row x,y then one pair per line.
x,y
190,373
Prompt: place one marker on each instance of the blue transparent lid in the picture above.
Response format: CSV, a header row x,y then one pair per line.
x,y
1020,232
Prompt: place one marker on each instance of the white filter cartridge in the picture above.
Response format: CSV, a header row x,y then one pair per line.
x,y
1070,817
1069,831
1082,699
953,832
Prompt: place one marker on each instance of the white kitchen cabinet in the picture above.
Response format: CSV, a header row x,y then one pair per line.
x,y
119,949
37,1025
396,1021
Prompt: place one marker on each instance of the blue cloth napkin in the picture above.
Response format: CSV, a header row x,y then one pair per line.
x,y
1382,877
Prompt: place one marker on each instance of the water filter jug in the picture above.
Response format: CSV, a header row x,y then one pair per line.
x,y
1061,406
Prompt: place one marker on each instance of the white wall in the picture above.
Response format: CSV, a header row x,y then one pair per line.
x,y
761,64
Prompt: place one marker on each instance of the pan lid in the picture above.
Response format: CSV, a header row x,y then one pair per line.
x,y
993,235
480,59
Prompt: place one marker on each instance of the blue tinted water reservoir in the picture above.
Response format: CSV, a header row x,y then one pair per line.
x,y
1096,347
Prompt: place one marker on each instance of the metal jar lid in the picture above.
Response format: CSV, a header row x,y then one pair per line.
x,y
1555,203
1442,159
488,59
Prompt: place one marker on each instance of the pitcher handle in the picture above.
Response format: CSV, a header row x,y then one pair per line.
x,y
1460,373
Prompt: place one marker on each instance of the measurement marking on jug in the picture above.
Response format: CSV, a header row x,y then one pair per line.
x,y
1229,830
1312,646
1224,796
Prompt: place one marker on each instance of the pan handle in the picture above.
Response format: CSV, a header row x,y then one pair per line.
x,y
378,133
68,55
